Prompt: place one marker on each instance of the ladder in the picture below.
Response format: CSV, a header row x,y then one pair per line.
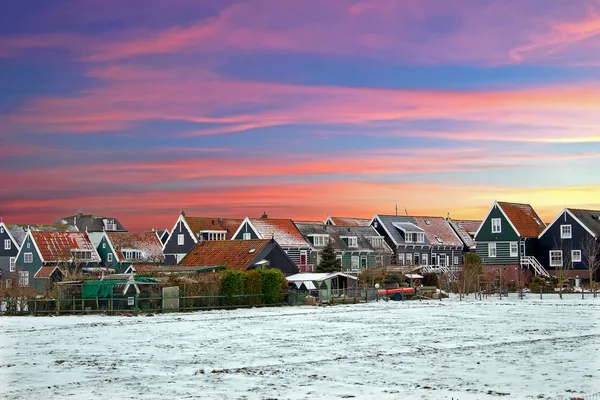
x,y
532,262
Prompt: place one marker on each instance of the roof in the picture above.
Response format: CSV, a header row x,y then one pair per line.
x,y
316,277
199,224
349,221
234,254
438,231
92,223
46,272
465,229
309,222
19,231
407,226
590,218
524,218
284,231
148,243
394,224
337,233
57,246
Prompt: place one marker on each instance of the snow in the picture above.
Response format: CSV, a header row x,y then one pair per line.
x,y
450,349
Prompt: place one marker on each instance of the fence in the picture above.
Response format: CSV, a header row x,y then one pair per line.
x,y
595,396
22,306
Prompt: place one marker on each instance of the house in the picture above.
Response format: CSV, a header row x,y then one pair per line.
x,y
569,242
466,230
357,247
189,230
163,235
11,239
347,221
124,250
44,256
92,223
408,241
446,247
321,285
240,255
284,231
508,238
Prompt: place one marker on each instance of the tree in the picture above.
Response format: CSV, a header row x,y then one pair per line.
x,y
329,261
562,266
471,269
591,250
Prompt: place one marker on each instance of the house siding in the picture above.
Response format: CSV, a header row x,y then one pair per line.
x,y
485,234
32,267
277,258
246,228
5,255
551,240
172,248
502,253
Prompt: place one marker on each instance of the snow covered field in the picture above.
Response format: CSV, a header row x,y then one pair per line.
x,y
509,348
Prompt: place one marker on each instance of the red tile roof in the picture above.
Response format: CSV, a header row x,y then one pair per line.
x,y
198,224
284,231
45,272
148,243
234,254
438,231
524,218
57,246
348,221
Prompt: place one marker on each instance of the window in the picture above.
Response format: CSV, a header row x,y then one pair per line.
x,y
492,250
556,258
320,240
28,245
376,241
565,232
363,262
180,239
1,229
576,255
7,244
433,259
13,263
514,249
28,258
247,236
401,258
103,245
420,237
352,242
24,278
496,225
408,237
355,260
424,259
455,260
109,257
339,258
409,259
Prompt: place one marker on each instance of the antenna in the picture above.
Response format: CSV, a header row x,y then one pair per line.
x,y
396,209
405,212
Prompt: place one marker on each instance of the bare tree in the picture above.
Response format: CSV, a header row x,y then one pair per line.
x,y
471,270
562,266
590,248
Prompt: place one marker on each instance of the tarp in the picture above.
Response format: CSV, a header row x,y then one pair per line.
x,y
104,289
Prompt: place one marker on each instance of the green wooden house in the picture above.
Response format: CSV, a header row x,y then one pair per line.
x,y
123,251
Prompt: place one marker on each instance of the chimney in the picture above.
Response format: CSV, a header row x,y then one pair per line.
x,y
213,221
264,216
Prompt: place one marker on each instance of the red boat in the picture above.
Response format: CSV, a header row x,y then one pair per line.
x,y
407,290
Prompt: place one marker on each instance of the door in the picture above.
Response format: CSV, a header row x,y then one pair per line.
x,y
522,247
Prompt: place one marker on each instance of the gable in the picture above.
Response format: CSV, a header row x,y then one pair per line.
x,y
507,231
172,244
246,227
14,246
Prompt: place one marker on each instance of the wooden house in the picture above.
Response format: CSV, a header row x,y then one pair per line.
x,y
357,247
283,231
239,254
408,241
445,246
347,221
570,242
92,223
123,251
44,256
466,230
189,231
508,239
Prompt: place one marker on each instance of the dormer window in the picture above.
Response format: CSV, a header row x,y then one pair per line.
x,y
110,225
376,241
81,255
414,237
132,254
565,232
246,236
352,241
409,237
439,239
320,240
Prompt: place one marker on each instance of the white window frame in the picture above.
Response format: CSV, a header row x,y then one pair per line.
x,y
408,237
409,258
246,236
7,244
401,258
575,255
109,257
566,232
433,259
180,239
320,240
13,264
28,245
103,245
514,249
455,260
496,225
27,258
492,250
354,262
24,278
339,257
554,255
420,238
352,241
424,259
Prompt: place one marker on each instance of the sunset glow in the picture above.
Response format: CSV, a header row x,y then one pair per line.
x,y
229,108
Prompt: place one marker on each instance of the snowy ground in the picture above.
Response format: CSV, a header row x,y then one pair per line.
x,y
509,348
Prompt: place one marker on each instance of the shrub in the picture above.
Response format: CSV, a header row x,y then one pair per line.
x,y
253,284
232,285
540,282
430,279
273,282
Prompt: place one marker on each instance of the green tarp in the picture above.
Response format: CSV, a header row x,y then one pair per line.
x,y
104,289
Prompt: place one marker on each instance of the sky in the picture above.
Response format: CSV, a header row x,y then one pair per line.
x,y
301,109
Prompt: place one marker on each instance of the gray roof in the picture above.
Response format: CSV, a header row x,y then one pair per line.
x,y
465,229
91,223
393,224
590,218
336,233
19,231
